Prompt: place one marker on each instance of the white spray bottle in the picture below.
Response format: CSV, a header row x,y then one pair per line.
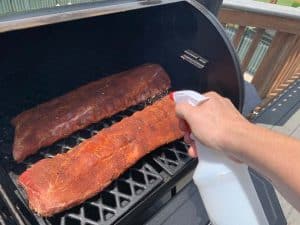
x,y
225,186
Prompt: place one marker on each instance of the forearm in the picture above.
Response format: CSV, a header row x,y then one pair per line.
x,y
275,156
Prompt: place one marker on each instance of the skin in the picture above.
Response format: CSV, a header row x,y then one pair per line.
x,y
218,125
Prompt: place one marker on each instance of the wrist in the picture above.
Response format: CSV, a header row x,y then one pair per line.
x,y
237,137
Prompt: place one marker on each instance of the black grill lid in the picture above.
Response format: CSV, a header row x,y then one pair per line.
x,y
86,49
17,15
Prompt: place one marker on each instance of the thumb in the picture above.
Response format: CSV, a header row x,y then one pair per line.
x,y
184,111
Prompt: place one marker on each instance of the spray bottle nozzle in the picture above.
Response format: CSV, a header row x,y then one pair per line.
x,y
188,96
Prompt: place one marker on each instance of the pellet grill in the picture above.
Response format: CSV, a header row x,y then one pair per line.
x,y
48,52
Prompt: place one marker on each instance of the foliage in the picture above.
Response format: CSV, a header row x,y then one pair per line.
x,y
294,3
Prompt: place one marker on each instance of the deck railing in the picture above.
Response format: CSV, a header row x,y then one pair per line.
x,y
271,51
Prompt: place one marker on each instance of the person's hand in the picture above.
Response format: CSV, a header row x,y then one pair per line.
x,y
219,126
215,123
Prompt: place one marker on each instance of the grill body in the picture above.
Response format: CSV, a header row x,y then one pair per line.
x,y
41,63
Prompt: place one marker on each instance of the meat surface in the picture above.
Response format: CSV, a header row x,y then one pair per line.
x,y
58,118
55,184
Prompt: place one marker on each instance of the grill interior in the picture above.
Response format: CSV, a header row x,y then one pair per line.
x,y
148,175
5,216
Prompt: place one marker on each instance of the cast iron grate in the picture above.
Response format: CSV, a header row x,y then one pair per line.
x,y
5,217
116,200
172,157
110,204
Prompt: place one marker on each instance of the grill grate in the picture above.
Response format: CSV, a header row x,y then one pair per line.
x,y
108,207
172,157
110,204
5,217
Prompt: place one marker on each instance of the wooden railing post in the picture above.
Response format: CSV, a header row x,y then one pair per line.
x,y
256,39
238,36
275,59
289,72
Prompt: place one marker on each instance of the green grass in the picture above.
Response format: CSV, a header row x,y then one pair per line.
x,y
284,2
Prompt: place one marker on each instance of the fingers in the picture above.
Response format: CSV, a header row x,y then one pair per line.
x,y
183,125
187,139
211,94
184,110
192,151
218,97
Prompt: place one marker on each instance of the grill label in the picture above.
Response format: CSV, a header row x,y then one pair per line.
x,y
194,59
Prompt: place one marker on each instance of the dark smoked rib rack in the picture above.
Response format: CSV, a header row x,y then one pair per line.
x,y
148,175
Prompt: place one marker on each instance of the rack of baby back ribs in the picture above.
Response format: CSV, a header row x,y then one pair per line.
x,y
107,152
